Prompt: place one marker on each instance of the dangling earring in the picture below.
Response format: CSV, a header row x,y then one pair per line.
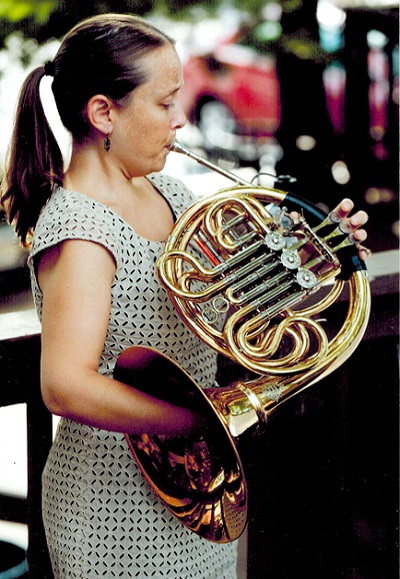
x,y
107,143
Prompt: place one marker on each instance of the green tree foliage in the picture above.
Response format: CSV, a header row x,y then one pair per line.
x,y
39,10
186,8
24,15
45,19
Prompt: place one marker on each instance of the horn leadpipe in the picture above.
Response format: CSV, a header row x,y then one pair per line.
x,y
179,148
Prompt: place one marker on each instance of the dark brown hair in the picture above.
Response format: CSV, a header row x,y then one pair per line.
x,y
98,56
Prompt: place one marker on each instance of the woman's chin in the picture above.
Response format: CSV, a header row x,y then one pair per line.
x,y
160,163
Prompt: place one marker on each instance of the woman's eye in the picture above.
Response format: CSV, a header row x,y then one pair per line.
x,y
167,105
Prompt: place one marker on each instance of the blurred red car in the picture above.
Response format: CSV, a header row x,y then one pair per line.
x,y
231,93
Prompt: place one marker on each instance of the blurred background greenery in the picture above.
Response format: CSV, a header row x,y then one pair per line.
x,y
334,146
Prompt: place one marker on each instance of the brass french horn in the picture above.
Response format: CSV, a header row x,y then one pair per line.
x,y
244,274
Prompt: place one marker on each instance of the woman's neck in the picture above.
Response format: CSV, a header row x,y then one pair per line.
x,y
134,199
93,173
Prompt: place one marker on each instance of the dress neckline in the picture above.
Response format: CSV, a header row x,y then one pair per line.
x,y
117,215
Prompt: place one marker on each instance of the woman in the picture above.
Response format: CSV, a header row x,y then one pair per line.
x,y
98,230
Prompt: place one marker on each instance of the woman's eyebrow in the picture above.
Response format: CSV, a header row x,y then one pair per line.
x,y
174,90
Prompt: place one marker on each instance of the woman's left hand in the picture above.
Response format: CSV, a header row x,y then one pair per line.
x,y
355,224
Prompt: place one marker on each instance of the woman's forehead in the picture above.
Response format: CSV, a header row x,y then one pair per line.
x,y
163,69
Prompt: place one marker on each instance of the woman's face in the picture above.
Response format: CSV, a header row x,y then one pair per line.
x,y
145,128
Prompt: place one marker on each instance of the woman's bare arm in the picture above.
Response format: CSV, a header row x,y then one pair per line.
x,y
76,279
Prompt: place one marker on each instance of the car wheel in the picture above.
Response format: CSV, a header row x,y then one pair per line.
x,y
218,127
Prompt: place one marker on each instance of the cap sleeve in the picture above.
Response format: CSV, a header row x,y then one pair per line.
x,y
70,215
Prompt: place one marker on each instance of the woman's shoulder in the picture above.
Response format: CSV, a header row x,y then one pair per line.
x,y
67,201
72,215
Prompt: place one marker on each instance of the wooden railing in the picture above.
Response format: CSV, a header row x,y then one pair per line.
x,y
20,383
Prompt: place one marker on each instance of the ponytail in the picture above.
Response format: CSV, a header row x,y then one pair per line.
x,y
101,55
35,161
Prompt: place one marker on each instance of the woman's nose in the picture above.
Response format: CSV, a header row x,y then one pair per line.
x,y
179,120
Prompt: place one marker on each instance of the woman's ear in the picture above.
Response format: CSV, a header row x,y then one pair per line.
x,y
98,113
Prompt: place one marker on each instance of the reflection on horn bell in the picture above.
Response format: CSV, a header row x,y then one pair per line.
x,y
254,283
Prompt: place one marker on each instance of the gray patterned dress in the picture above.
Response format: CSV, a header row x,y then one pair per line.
x,y
101,517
